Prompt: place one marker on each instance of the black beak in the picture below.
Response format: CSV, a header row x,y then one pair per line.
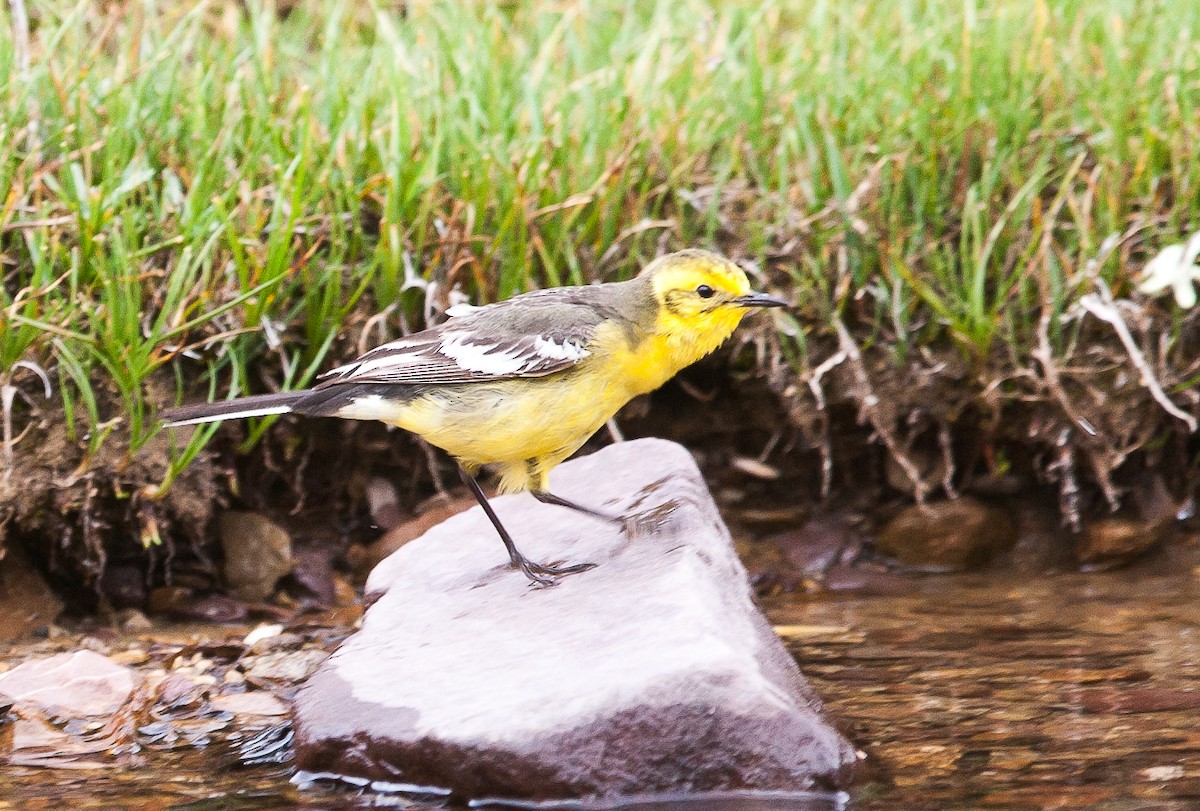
x,y
759,300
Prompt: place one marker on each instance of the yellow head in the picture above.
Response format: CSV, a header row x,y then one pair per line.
x,y
701,297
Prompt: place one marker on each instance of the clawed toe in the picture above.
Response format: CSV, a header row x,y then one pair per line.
x,y
548,574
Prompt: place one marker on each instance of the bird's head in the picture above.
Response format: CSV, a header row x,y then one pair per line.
x,y
702,296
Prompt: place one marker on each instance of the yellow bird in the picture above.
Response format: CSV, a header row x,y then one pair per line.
x,y
521,384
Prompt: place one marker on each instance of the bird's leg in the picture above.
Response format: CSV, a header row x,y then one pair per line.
x,y
546,497
539,573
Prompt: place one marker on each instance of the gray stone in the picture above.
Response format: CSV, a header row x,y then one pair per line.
x,y
653,672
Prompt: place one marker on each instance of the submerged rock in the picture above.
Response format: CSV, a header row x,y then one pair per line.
x,y
653,672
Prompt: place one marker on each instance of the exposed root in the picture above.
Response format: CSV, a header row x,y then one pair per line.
x,y
1064,470
945,442
869,408
825,439
1051,379
1103,307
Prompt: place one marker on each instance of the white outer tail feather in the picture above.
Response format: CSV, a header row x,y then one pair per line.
x,y
262,411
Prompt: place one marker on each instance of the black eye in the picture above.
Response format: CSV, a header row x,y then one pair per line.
x,y
704,291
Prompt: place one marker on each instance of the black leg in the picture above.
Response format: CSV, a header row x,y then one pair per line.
x,y
539,573
546,497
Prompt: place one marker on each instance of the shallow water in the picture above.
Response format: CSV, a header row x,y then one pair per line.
x,y
972,691
976,691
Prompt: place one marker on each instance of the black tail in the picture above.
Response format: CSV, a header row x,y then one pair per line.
x,y
256,406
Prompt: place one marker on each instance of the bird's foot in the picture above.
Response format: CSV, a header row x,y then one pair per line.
x,y
646,522
543,574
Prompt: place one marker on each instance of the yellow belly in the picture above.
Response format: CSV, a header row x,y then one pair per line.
x,y
511,422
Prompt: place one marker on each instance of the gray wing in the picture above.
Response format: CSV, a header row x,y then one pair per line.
x,y
532,335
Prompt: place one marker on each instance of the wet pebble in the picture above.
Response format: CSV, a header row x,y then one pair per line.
x,y
1117,540
312,574
947,535
258,553
254,703
282,667
178,691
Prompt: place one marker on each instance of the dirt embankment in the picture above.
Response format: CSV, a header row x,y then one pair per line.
x,y
859,426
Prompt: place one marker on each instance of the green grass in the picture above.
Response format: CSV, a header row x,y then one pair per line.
x,y
173,178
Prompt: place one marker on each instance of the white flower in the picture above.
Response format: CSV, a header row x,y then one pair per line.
x,y
1174,267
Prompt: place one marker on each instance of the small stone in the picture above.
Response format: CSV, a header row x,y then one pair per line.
x,y
27,605
257,554
177,691
75,685
1116,540
409,530
278,642
383,503
130,656
133,621
211,608
653,672
823,541
261,632
312,575
282,667
947,535
167,599
257,702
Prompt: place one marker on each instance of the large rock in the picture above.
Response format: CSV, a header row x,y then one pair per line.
x,y
653,672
